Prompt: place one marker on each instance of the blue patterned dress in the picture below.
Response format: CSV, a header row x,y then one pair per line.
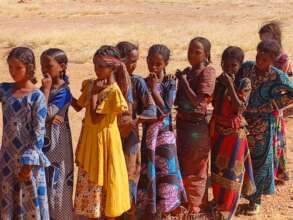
x,y
270,91
58,149
22,143
142,106
160,186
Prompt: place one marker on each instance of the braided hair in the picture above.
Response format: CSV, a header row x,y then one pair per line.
x,y
27,57
206,46
125,48
120,73
60,57
161,49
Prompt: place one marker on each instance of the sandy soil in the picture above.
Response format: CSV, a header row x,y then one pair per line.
x,y
81,26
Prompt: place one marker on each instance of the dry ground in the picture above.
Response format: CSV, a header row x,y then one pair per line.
x,y
81,26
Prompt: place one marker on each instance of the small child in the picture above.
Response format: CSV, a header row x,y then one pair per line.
x,y
231,166
58,142
23,190
161,187
271,88
102,183
195,88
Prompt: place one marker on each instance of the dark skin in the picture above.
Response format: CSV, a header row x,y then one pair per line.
x,y
104,79
52,71
230,68
196,57
21,87
131,61
264,61
156,66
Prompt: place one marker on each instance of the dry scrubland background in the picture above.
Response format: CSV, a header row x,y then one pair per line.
x,y
81,26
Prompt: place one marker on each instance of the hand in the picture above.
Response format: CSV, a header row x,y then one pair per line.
x,y
47,82
170,77
99,85
226,80
25,173
57,120
152,81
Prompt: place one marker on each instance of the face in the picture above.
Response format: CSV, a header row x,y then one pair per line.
x,y
266,36
101,69
196,53
156,64
17,70
263,61
231,66
50,66
132,61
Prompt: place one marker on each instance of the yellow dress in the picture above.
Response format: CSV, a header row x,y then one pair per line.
x,y
100,157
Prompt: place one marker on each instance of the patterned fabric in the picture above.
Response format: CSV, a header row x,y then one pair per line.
x,y
279,139
89,196
160,186
269,90
58,149
231,166
142,106
99,151
22,143
193,139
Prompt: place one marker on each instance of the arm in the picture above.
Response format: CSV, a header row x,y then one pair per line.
x,y
96,117
33,155
75,105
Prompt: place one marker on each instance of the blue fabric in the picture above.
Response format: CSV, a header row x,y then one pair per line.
x,y
271,87
22,143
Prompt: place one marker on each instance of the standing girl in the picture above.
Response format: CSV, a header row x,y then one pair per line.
x,y
231,163
272,31
195,89
143,107
160,184
271,88
23,190
58,143
102,183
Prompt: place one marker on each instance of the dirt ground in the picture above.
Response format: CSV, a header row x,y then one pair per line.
x,y
81,26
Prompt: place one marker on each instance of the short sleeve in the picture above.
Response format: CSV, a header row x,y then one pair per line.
x,y
4,87
84,98
33,155
59,103
206,85
113,103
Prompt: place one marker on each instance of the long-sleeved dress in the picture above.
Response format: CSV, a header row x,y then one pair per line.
x,y
270,90
58,149
231,166
22,143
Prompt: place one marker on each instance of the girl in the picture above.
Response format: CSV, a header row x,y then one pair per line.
x,y
272,30
23,190
143,107
102,183
58,143
160,184
231,163
271,88
196,86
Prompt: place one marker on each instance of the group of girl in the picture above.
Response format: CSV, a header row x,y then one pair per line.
x,y
162,174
